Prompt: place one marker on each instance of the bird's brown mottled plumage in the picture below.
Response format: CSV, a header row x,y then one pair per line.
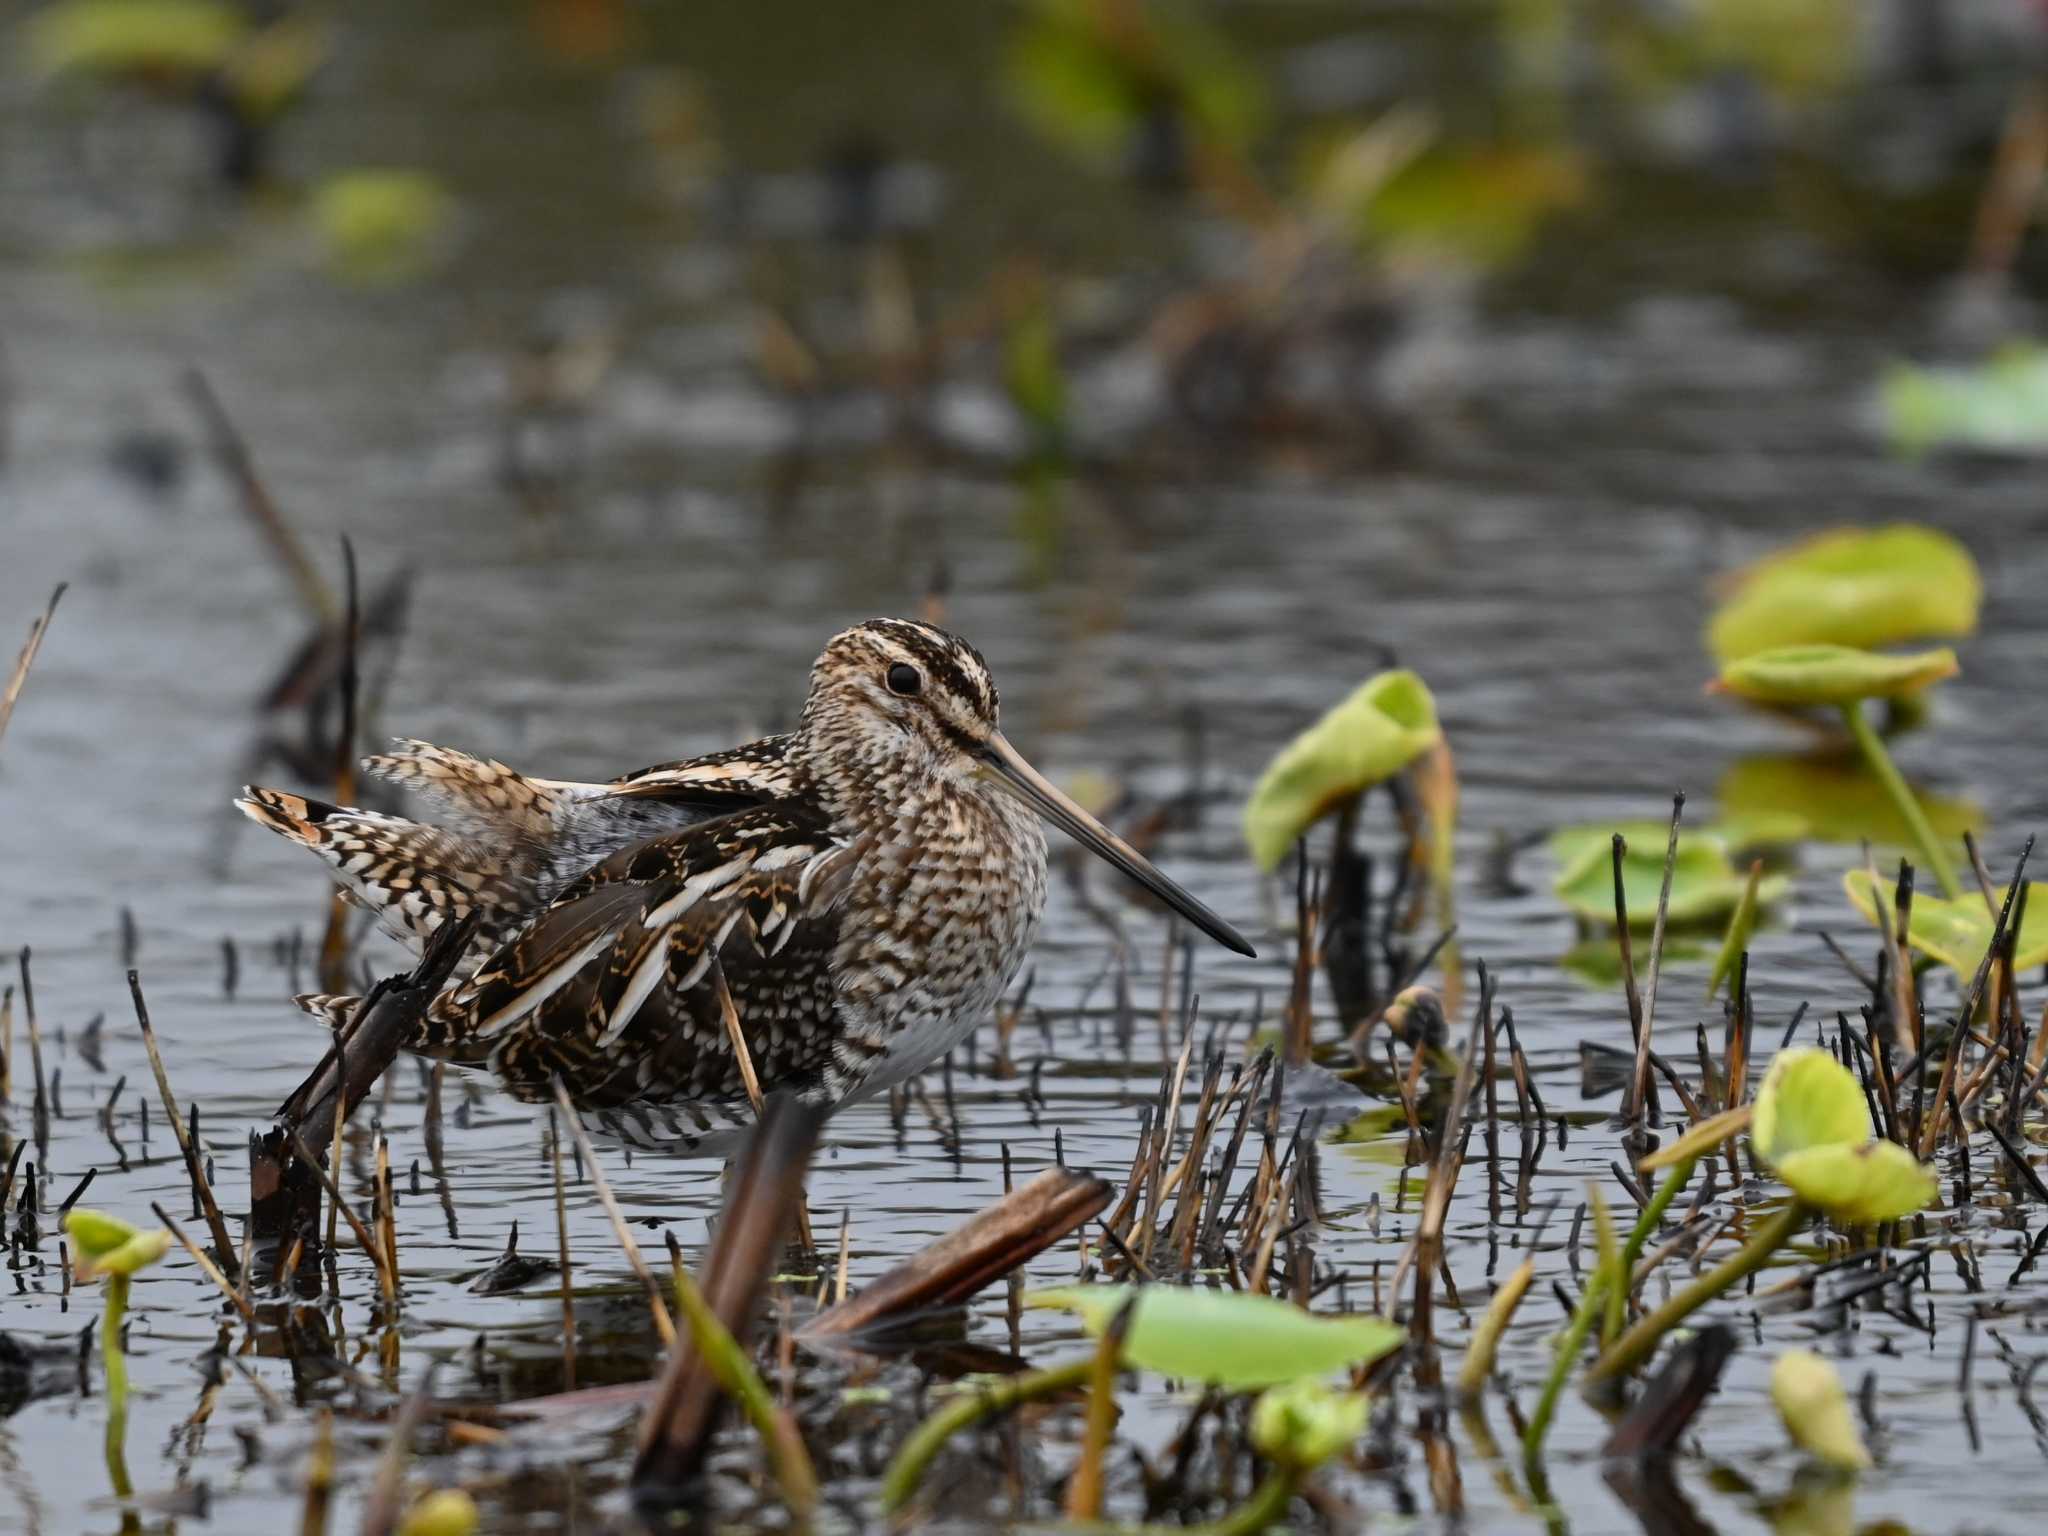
x,y
866,892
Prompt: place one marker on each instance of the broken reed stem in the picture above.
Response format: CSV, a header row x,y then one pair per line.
x,y
662,1323
562,1252
194,1164
387,1216
1639,1083
334,942
231,452
735,1035
27,658
206,1265
41,1108
387,1269
319,1476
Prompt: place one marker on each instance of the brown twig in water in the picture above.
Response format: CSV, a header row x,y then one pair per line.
x,y
194,1164
562,1251
387,1271
231,452
27,658
1639,1084
206,1265
996,1240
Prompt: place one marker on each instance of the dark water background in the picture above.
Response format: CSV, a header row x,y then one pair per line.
x,y
1674,380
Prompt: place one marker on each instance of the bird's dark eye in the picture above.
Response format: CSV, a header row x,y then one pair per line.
x,y
904,679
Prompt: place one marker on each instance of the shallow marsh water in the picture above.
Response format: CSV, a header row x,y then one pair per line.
x,y
1542,556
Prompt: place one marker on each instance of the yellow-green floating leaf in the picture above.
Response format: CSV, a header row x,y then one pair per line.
x,y
112,37
1704,885
1230,1338
1833,674
1808,1099
1957,933
382,225
1851,586
1382,727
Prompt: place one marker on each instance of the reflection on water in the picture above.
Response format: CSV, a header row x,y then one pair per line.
x,y
613,446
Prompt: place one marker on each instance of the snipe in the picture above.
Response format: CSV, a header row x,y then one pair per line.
x,y
867,885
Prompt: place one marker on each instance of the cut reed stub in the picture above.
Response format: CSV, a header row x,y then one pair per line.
x,y
989,1245
761,1200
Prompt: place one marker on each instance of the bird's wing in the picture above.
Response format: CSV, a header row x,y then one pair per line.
x,y
611,986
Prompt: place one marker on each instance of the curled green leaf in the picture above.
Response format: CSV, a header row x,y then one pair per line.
x,y
1833,674
1808,1099
1385,724
1230,1338
106,1245
1956,932
1853,587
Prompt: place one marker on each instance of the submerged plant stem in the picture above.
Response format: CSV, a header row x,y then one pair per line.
x,y
1902,798
1635,1346
923,1442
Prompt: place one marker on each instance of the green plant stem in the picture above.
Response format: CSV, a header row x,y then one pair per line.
x,y
1646,1224
117,1366
1636,1346
1266,1507
923,1442
1902,797
1560,1368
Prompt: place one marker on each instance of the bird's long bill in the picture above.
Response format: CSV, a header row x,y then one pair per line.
x,y
1009,765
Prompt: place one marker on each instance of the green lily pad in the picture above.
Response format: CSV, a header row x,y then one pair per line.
x,y
1838,799
382,225
1704,885
1385,724
117,37
1853,586
1810,1398
2000,405
1230,1338
1956,932
1860,1186
1832,674
106,1245
1754,831
1808,1099
1304,1423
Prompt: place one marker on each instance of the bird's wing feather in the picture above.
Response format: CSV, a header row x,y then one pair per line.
x,y
611,988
